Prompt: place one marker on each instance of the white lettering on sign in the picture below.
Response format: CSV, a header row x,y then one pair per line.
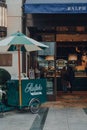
x,y
33,89
76,8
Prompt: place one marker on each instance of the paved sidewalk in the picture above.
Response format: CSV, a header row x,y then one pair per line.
x,y
66,119
51,118
17,121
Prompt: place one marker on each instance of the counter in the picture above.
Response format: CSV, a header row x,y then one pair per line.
x,y
79,84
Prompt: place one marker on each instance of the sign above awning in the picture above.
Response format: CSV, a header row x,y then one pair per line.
x,y
55,6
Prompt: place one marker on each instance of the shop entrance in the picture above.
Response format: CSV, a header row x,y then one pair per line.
x,y
75,55
67,34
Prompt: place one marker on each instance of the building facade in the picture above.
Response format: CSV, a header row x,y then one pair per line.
x,y
63,26
13,23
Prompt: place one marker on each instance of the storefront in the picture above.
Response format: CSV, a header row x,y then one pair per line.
x,y
63,26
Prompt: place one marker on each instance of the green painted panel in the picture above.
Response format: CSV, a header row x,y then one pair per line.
x,y
33,88
12,93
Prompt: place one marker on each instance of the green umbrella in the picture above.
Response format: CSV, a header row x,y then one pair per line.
x,y
18,41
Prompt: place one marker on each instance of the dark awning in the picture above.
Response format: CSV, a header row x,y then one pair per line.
x,y
55,6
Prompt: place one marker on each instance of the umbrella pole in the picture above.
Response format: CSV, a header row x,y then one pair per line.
x,y
19,75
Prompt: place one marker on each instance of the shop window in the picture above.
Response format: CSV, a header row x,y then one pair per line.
x,y
5,59
46,65
48,51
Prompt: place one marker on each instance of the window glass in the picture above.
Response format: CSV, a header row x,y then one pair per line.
x,y
47,51
45,62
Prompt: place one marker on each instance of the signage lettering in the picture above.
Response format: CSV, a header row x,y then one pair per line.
x,y
33,89
76,8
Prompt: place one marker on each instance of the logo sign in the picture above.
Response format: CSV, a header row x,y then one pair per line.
x,y
33,89
77,8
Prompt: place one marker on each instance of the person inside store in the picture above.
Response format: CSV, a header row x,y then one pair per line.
x,y
67,78
42,72
64,79
71,76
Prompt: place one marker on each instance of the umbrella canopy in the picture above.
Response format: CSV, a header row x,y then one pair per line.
x,y
18,38
19,41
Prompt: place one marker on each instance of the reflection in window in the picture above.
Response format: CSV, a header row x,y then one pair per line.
x,y
47,51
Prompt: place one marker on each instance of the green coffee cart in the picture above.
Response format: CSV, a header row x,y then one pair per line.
x,y
33,94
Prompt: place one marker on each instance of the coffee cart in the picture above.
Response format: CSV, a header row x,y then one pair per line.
x,y
33,94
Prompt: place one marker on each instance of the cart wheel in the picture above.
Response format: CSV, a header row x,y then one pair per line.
x,y
34,105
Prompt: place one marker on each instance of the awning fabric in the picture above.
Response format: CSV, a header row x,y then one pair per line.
x,y
55,6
